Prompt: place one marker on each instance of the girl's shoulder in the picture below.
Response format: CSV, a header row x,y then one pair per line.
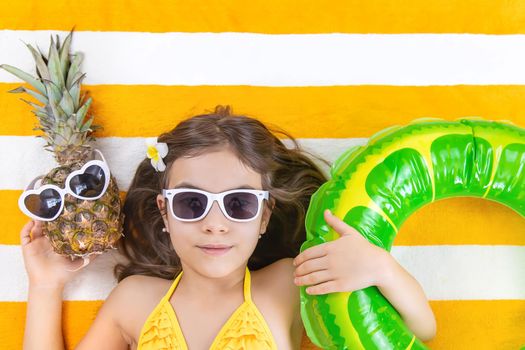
x,y
133,299
138,292
145,286
278,299
121,317
274,283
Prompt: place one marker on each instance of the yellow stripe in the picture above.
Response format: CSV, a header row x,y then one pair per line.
x,y
463,221
270,16
317,112
494,324
78,317
468,324
13,218
451,221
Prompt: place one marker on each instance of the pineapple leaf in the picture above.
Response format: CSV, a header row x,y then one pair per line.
x,y
35,94
43,118
62,115
78,79
44,58
49,111
53,92
83,98
55,70
35,106
40,64
67,103
64,54
75,95
57,111
81,113
68,132
86,126
55,137
36,83
17,90
41,114
74,68
75,89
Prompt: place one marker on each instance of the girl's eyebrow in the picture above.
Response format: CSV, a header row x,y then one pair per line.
x,y
188,185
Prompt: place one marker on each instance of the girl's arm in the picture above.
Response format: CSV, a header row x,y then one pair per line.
x,y
406,295
352,263
44,318
48,273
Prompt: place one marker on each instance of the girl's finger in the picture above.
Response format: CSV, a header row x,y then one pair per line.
x,y
323,288
25,233
37,231
313,278
311,253
309,266
338,225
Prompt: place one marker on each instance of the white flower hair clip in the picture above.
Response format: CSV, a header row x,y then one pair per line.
x,y
156,151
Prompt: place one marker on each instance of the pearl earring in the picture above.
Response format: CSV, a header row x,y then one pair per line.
x,y
260,235
164,229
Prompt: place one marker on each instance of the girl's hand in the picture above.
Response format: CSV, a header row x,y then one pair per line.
x,y
44,267
349,263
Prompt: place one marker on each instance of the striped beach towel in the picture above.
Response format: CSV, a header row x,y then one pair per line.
x,y
332,73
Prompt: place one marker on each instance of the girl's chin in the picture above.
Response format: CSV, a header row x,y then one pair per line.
x,y
220,270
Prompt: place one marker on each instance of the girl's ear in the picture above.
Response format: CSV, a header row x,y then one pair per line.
x,y
267,213
161,204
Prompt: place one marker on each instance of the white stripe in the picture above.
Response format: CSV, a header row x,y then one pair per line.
x,y
446,273
282,60
94,282
123,154
458,272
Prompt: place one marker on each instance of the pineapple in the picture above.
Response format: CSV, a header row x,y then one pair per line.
x,y
84,227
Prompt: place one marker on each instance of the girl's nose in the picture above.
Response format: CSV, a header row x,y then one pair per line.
x,y
215,221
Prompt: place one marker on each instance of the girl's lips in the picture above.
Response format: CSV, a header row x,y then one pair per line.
x,y
215,249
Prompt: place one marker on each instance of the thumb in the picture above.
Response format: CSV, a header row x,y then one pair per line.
x,y
338,225
37,230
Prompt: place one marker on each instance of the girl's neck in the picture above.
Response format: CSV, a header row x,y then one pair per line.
x,y
195,283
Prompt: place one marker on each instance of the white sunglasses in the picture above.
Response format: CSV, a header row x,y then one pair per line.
x,y
46,202
188,204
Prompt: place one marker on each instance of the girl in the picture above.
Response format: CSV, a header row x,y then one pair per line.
x,y
209,242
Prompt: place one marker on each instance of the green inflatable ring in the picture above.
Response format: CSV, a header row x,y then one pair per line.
x,y
376,187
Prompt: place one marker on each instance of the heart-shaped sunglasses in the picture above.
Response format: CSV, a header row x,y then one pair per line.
x,y
46,202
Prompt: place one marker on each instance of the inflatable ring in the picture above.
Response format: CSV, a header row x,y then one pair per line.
x,y
375,188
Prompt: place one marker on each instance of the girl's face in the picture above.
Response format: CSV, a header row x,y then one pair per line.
x,y
214,246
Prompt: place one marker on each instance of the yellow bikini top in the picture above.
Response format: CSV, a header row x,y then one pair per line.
x,y
245,329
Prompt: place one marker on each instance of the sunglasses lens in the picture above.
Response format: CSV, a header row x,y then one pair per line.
x,y
241,205
189,205
45,205
90,184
